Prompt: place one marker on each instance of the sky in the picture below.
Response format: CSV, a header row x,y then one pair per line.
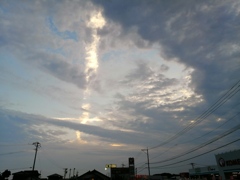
x,y
96,82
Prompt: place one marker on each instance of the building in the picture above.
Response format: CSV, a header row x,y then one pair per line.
x,y
55,177
124,173
121,173
229,164
206,172
26,175
93,175
228,167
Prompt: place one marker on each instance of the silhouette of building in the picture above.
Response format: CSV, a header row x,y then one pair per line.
x,y
55,177
228,164
121,173
26,175
96,175
124,173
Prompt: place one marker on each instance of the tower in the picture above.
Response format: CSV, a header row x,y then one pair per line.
x,y
131,166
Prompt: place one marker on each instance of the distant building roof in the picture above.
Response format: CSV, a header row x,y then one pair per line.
x,y
35,173
22,175
55,175
93,174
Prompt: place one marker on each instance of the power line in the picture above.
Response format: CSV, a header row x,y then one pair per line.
x,y
141,168
198,137
12,153
170,167
202,145
229,94
220,102
137,155
14,145
213,129
165,151
51,160
198,155
18,168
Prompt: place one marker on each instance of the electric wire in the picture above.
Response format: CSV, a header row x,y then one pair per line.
x,y
188,127
176,144
51,160
170,166
164,151
9,153
198,154
213,129
202,145
222,100
141,168
14,145
137,156
197,137
17,168
204,115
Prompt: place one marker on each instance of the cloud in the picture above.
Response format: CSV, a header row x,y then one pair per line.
x,y
164,67
35,125
65,34
54,48
59,68
202,35
117,76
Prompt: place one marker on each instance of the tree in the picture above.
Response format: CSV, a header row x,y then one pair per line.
x,y
5,174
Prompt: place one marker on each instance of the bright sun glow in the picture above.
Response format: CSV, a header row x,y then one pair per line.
x,y
117,145
96,22
79,139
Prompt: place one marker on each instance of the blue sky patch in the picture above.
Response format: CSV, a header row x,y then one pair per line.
x,y
64,34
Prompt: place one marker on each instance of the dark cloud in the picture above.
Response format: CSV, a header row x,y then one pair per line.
x,y
59,68
148,76
27,120
141,73
201,34
164,67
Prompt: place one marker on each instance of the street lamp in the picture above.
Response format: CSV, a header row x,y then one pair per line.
x,y
146,151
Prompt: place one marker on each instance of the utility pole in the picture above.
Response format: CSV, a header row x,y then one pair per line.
x,y
147,161
69,173
193,164
65,172
73,171
37,145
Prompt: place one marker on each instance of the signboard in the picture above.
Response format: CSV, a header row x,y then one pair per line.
x,y
131,166
120,173
204,170
131,161
120,170
229,160
110,166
